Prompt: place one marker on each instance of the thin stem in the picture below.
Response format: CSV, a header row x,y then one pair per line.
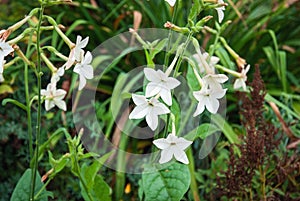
x,y
38,127
194,186
27,97
42,189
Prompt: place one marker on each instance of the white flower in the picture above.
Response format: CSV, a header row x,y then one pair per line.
x,y
56,75
173,146
80,44
220,11
149,109
54,97
171,2
5,49
214,81
76,52
84,69
241,81
160,84
212,61
208,98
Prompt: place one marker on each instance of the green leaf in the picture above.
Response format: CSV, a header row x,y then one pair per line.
x,y
202,131
192,80
22,190
158,48
168,184
226,129
15,102
97,188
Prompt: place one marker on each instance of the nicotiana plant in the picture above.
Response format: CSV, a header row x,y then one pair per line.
x,y
173,175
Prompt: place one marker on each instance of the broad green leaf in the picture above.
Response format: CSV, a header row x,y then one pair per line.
x,y
167,184
22,190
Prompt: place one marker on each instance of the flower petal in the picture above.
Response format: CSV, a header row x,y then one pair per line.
x,y
49,104
199,110
87,72
212,105
172,83
161,143
171,2
82,82
139,99
152,75
166,96
59,94
152,120
61,104
165,156
152,89
139,112
181,156
183,143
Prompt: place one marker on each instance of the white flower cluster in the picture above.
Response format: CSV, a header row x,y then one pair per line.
x,y
149,106
82,67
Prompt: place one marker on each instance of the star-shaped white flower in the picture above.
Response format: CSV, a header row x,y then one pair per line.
x,y
171,2
241,81
54,97
220,11
213,60
160,84
208,98
149,109
76,52
214,81
5,49
84,69
172,146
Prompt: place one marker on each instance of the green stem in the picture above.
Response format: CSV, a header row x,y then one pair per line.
x,y
38,127
27,97
81,179
194,187
42,189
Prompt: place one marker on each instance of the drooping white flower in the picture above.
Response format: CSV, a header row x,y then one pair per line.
x,y
171,2
173,146
54,97
220,11
84,69
160,84
56,75
214,81
5,49
149,109
80,44
241,81
212,61
76,52
208,98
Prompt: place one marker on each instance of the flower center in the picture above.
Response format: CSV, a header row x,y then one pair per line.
x,y
173,143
